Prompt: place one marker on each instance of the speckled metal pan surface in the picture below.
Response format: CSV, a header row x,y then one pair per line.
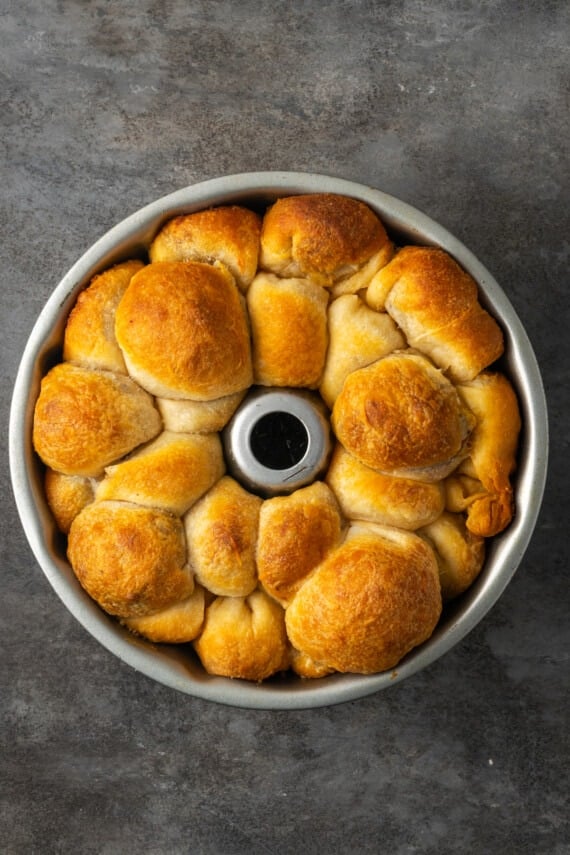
x,y
171,666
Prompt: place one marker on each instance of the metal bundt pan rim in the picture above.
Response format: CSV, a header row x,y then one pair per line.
x,y
172,666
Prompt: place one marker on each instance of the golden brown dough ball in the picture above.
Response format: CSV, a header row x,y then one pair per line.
x,y
221,532
84,420
460,554
436,305
401,416
289,331
183,331
89,338
303,666
177,624
67,495
334,240
229,234
130,559
492,457
371,601
170,473
295,533
244,637
364,494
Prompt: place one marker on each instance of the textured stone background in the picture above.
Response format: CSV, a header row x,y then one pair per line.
x,y
459,108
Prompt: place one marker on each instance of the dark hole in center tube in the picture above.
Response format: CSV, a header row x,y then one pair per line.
x,y
279,440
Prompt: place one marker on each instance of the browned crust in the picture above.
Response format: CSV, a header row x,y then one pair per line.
x,y
86,419
170,473
321,235
67,495
368,604
183,331
229,234
460,553
364,494
435,302
295,533
244,638
400,414
131,560
289,331
221,532
89,338
492,399
177,624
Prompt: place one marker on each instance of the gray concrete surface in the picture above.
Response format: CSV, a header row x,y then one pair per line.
x,y
461,109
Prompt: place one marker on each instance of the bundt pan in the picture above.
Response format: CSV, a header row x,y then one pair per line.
x,y
177,667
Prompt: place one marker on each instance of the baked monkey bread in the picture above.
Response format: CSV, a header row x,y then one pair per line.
x,y
346,571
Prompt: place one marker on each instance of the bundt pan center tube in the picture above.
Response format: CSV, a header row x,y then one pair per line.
x,y
277,441
282,440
